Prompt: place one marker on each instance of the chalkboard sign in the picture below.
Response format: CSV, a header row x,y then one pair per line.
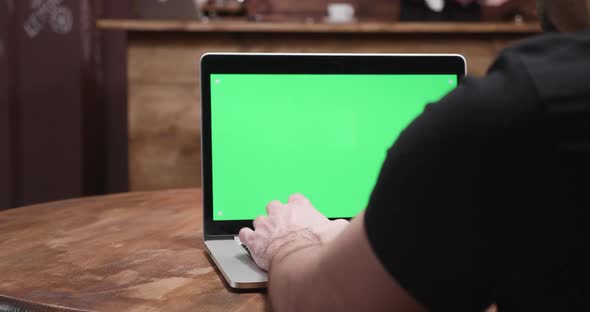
x,y
63,113
6,192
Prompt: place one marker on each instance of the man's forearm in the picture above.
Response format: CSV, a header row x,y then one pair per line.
x,y
342,274
291,279
294,272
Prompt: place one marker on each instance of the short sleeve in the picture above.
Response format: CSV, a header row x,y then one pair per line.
x,y
432,216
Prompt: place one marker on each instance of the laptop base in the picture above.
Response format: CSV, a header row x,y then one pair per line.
x,y
237,267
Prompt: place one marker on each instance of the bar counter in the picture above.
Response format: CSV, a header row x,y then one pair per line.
x,y
163,67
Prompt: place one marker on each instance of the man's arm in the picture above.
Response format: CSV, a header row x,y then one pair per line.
x,y
432,217
320,265
341,275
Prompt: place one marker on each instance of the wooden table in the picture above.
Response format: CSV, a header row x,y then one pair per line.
x,y
127,252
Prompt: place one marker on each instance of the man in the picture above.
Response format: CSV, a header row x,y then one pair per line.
x,y
482,200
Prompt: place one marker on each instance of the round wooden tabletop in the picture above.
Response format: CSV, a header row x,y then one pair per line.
x,y
125,252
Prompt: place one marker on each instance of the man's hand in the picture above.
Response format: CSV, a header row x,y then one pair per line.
x,y
287,228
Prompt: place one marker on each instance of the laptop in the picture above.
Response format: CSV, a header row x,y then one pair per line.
x,y
316,124
166,9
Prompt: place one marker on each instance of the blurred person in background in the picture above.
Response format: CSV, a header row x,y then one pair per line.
x,y
462,10
439,5
482,200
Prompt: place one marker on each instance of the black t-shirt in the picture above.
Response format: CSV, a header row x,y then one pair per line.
x,y
484,198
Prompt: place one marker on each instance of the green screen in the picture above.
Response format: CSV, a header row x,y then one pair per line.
x,y
324,136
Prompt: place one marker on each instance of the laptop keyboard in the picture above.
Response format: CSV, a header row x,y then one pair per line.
x,y
237,239
246,249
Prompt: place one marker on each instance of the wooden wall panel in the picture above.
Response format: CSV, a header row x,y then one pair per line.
x,y
164,133
164,94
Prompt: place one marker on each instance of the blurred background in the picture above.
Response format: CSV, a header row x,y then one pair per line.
x,y
102,97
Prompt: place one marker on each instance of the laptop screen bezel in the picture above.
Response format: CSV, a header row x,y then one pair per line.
x,y
269,63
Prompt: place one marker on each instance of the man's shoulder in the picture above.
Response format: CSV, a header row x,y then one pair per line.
x,y
555,63
504,96
524,78
550,43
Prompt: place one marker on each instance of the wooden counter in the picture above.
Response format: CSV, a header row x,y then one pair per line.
x,y
243,26
163,67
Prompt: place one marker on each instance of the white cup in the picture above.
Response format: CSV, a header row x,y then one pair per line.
x,y
340,12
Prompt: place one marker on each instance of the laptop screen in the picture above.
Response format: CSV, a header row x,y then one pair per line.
x,y
322,135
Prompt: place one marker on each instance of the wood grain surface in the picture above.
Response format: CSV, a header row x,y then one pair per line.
x,y
127,252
